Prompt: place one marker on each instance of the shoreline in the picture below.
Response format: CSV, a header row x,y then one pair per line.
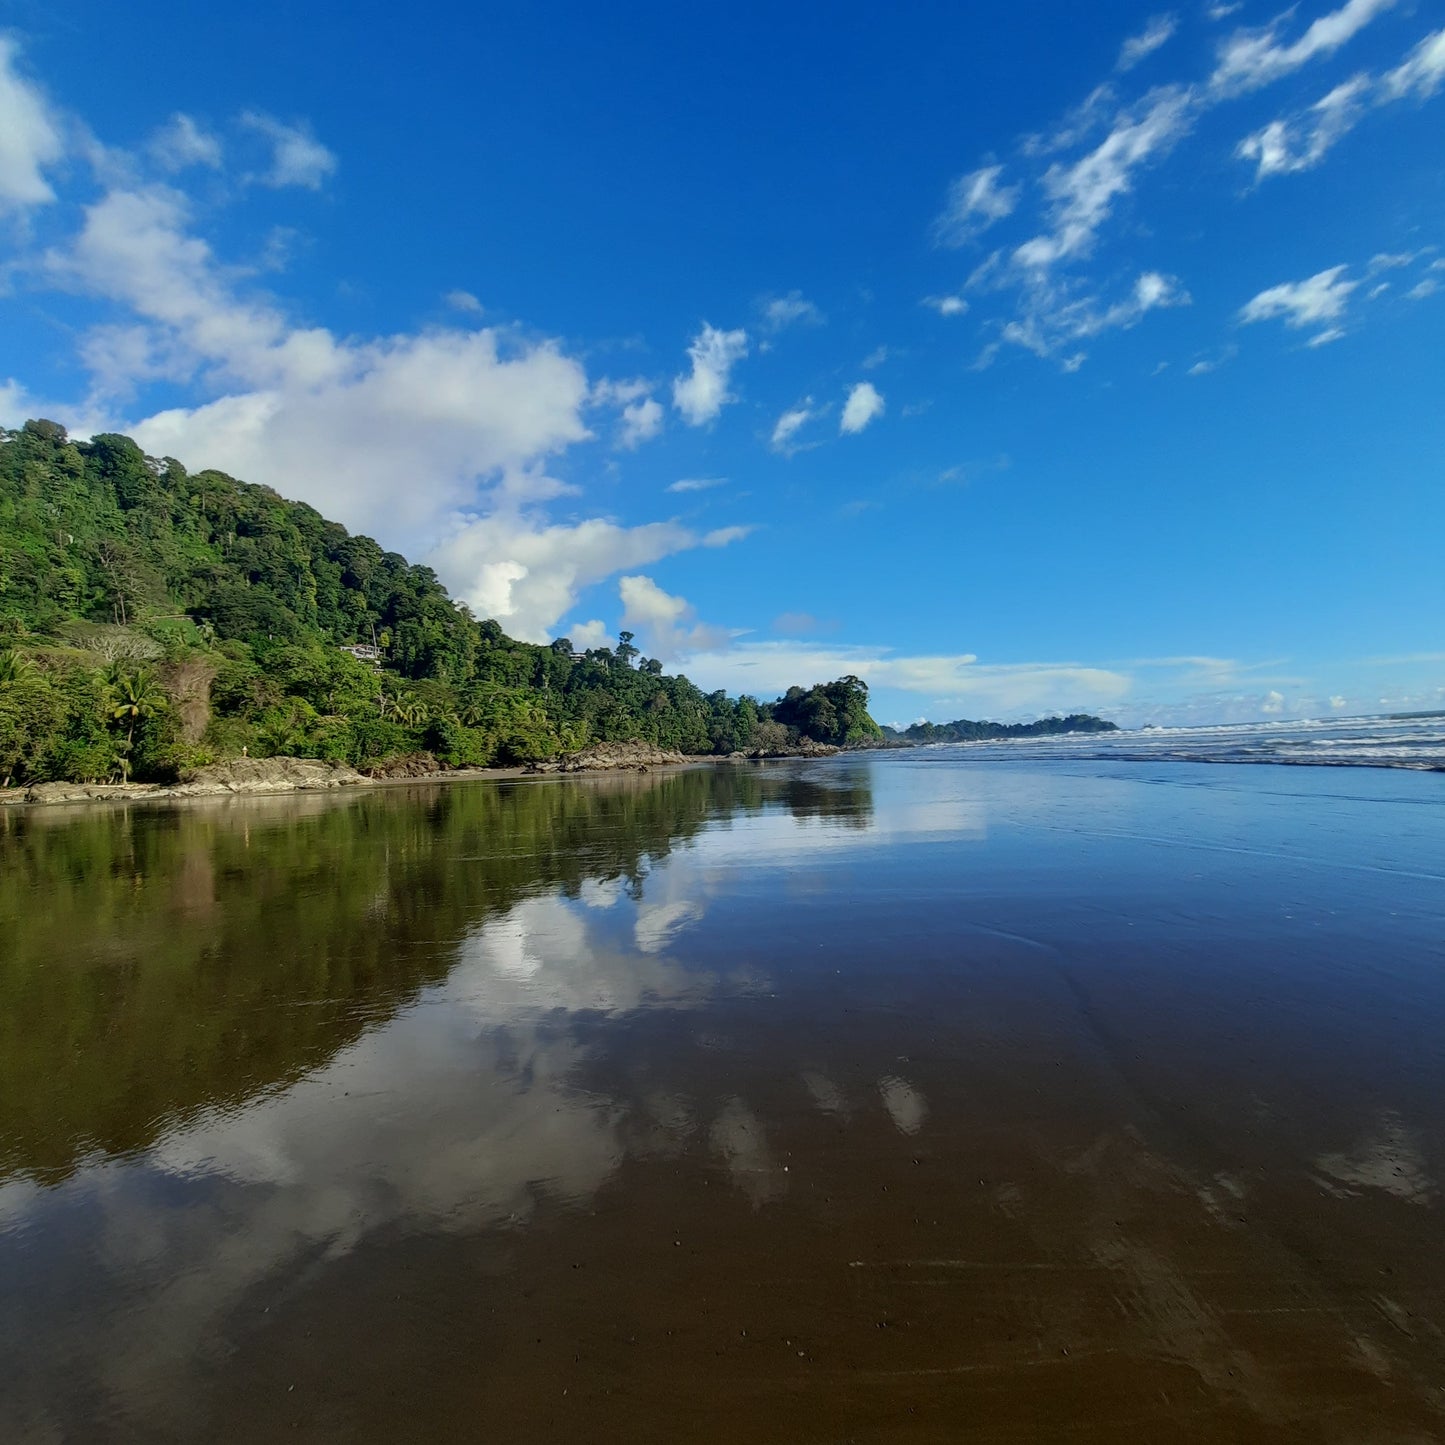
x,y
280,777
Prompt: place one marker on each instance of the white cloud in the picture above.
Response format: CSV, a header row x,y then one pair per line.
x,y
1273,703
585,635
528,573
390,434
944,305
958,683
974,203
31,138
1049,323
1302,141
703,392
864,404
297,157
1083,194
790,310
697,484
1157,32
463,301
725,536
875,358
1324,338
1423,71
665,623
790,424
1077,125
1253,58
1321,298
181,143
641,421
1418,292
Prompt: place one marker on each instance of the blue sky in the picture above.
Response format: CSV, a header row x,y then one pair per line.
x,y
1047,356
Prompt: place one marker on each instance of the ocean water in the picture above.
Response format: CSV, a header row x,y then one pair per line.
x,y
1374,742
891,1097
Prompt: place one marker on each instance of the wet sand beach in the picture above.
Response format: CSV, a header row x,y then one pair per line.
x,y
889,1097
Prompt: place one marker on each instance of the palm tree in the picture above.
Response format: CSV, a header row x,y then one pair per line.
x,y
14,667
137,695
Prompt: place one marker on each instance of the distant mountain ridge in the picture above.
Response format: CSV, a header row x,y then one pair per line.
x,y
966,731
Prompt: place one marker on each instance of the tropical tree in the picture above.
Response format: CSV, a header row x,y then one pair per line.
x,y
135,696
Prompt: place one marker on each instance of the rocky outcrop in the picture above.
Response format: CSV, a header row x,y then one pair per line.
x,y
408,765
602,757
241,775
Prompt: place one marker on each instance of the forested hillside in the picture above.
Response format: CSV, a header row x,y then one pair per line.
x,y
964,730
153,620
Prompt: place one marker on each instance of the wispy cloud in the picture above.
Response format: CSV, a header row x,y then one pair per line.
x,y
794,309
1423,71
1159,31
975,202
1302,141
697,484
182,143
1249,59
297,157
790,423
702,392
1320,298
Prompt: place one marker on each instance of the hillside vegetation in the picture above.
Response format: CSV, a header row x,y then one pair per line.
x,y
965,730
153,620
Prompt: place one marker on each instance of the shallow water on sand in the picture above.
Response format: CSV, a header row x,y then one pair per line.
x,y
893,1097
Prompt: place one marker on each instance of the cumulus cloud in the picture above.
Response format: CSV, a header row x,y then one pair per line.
x,y
31,136
974,203
389,434
1323,297
1302,141
863,405
1159,30
641,421
793,309
1273,703
787,426
585,635
666,624
1252,58
181,143
297,157
702,393
528,573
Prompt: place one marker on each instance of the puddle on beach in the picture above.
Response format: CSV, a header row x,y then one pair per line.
x,y
887,1098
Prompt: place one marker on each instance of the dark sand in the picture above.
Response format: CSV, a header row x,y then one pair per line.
x,y
887,1098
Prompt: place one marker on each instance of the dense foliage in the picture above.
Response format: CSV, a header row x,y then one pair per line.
x,y
965,731
153,619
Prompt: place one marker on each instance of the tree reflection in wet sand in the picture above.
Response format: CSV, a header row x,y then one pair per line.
x,y
847,1100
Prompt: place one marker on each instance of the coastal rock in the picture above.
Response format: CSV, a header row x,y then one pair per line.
x,y
409,765
240,775
600,757
265,775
